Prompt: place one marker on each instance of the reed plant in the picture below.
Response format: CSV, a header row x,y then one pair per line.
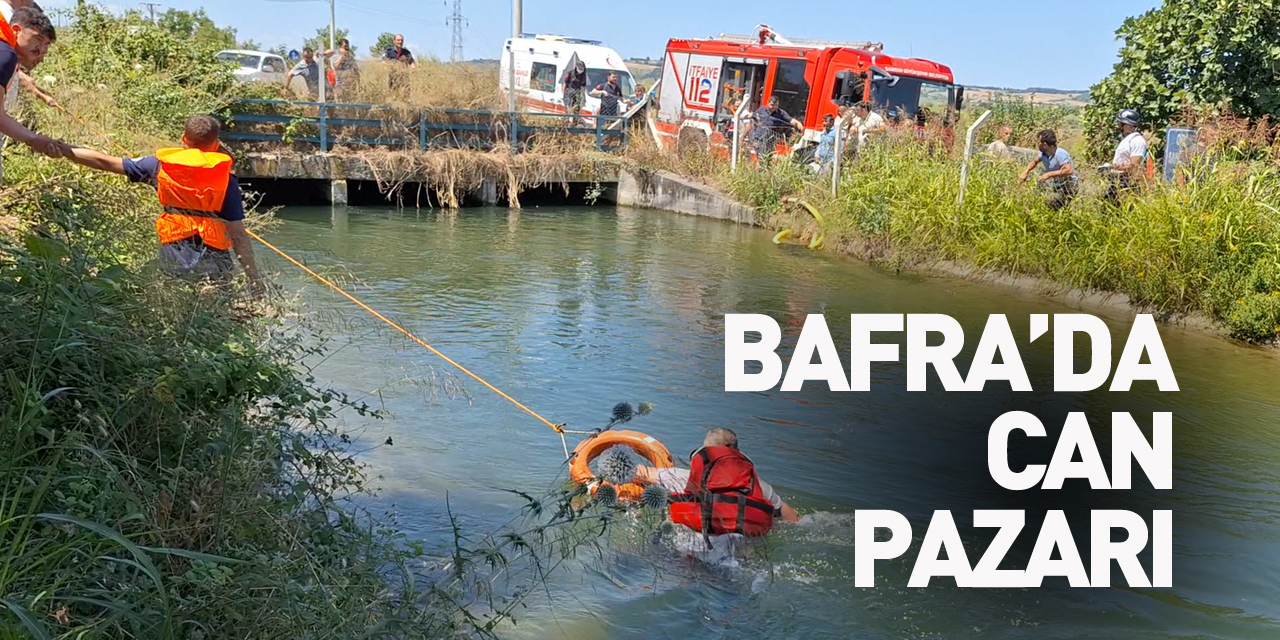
x,y
1211,245
171,468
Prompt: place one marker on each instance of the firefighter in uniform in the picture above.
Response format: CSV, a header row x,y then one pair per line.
x,y
203,210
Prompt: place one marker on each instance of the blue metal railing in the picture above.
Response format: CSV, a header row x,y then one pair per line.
x,y
436,128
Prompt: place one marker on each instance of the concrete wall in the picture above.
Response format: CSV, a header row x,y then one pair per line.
x,y
669,192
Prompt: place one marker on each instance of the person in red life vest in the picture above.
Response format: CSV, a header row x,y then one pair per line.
x,y
203,216
721,493
24,40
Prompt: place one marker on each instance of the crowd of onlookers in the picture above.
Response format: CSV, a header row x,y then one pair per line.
x,y
770,126
343,73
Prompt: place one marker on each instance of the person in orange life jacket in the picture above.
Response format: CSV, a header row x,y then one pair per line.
x,y
25,80
722,482
203,215
25,40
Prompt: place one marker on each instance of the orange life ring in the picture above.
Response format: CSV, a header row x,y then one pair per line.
x,y
591,448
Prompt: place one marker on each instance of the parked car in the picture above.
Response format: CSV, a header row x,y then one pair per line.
x,y
256,66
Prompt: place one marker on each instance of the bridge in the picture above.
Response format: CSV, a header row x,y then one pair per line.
x,y
324,150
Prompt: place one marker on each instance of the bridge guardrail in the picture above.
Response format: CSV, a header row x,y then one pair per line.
x,y
434,128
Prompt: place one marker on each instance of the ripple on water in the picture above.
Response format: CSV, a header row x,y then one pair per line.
x,y
574,310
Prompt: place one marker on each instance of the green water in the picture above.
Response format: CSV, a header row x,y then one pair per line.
x,y
573,309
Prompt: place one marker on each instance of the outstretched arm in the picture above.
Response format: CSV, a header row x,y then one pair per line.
x,y
789,514
42,144
96,160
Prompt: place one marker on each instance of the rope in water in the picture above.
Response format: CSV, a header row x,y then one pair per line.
x,y
558,428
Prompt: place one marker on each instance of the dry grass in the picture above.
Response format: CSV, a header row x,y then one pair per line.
x,y
429,84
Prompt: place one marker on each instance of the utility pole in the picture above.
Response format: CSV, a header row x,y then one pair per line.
x,y
324,76
151,7
457,22
517,26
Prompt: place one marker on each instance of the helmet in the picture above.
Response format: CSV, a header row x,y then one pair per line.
x,y
1127,116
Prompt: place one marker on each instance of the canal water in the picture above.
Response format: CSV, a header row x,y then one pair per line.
x,y
572,310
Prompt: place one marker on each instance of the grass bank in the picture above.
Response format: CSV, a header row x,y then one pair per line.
x,y
1211,246
171,468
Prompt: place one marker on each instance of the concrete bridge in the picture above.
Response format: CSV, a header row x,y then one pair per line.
x,y
312,153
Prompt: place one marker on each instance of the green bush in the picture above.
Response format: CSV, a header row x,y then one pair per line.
x,y
1212,246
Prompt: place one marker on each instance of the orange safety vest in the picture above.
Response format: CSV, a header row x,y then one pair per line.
x,y
6,33
191,185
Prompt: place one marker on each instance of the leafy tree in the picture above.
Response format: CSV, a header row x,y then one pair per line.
x,y
250,45
321,40
1220,53
384,42
198,28
280,50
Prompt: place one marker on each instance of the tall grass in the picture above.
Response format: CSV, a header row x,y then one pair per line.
x,y
171,469
1210,246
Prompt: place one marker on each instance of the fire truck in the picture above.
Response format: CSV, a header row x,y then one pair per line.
x,y
704,82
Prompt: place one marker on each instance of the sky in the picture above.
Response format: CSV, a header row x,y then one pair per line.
x,y
1000,43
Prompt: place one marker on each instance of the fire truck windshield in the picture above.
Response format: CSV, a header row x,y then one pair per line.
x,y
597,77
904,100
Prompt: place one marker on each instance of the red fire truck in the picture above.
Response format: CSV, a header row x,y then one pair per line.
x,y
705,81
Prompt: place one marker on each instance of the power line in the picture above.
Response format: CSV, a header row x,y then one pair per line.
x,y
457,22
151,7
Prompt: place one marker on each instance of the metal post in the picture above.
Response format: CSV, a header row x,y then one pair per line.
x,y
968,151
737,134
422,130
324,129
517,26
835,160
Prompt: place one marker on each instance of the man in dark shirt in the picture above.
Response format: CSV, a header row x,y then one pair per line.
x,y
769,126
609,94
190,256
575,84
33,33
397,53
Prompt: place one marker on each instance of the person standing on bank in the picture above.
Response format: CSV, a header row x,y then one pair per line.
x,y
609,93
346,72
309,71
24,40
398,81
1059,172
203,218
1131,153
574,82
770,125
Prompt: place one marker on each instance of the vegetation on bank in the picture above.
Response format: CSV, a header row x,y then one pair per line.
x,y
1212,245
1216,56
171,469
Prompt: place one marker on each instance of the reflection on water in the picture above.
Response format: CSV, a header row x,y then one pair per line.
x,y
574,310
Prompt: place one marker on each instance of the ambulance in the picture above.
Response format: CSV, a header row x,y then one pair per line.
x,y
541,61
704,82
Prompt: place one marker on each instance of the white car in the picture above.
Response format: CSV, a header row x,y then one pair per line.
x,y
256,66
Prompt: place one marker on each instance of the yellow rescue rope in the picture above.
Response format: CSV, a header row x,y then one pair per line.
x,y
558,428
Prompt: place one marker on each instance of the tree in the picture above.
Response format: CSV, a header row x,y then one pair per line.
x,y
250,45
321,40
384,42
198,28
1223,54
280,50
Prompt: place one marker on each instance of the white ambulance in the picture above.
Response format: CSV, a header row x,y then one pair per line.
x,y
541,61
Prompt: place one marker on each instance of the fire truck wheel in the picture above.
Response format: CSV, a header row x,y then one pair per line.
x,y
692,140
